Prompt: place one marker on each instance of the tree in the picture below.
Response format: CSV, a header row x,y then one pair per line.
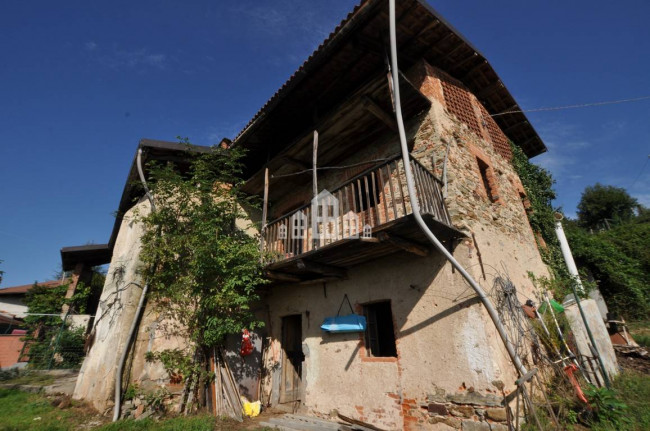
x,y
619,261
48,335
202,269
1,272
600,204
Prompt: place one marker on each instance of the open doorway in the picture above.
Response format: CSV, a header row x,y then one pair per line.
x,y
292,358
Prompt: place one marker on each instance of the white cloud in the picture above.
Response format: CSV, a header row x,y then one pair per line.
x,y
125,59
643,198
283,17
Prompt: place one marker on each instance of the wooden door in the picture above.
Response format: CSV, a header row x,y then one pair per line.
x,y
292,358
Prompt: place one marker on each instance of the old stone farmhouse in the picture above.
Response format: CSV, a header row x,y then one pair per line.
x,y
428,338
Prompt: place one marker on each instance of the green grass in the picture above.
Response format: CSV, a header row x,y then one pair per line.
x,y
30,378
193,423
25,411
640,331
642,340
633,389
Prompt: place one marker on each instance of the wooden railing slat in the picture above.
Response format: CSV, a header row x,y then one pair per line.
x,y
370,197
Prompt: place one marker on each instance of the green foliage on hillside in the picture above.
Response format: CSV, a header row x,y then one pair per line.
x,y
619,260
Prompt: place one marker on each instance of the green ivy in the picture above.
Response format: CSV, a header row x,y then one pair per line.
x,y
538,184
618,259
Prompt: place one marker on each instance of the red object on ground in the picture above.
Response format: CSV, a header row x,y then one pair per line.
x,y
530,311
246,343
569,370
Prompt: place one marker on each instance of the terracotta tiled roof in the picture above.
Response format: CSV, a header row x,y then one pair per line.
x,y
353,52
16,290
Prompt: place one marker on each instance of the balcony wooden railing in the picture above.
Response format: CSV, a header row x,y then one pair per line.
x,y
367,201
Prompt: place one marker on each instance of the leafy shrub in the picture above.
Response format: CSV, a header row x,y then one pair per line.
x,y
607,408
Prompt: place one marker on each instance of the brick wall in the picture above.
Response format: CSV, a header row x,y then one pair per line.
x,y
460,103
10,346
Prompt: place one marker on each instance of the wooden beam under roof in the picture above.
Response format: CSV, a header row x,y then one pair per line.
x,y
402,243
320,268
295,162
281,276
372,107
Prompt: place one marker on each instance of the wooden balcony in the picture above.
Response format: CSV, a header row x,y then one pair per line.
x,y
367,217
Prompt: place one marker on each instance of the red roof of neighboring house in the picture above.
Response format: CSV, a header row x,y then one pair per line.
x,y
8,318
17,290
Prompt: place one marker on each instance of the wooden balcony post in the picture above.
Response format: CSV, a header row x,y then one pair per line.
x,y
264,209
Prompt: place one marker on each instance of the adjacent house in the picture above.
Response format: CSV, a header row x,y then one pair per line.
x,y
428,338
12,311
12,299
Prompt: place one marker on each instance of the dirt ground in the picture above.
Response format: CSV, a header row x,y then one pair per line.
x,y
634,363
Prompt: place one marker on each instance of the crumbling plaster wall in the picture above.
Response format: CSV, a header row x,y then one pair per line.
x,y
116,311
448,349
446,343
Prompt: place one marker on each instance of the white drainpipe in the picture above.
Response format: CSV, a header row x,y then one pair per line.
x,y
416,208
566,252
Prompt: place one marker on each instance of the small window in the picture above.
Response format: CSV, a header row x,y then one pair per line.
x,y
380,335
483,169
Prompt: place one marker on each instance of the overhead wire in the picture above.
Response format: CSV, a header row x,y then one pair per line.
x,y
640,172
323,168
581,105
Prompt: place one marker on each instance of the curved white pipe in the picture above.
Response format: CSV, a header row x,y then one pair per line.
x,y
416,208
138,310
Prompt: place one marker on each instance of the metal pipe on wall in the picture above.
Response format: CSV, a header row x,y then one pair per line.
x,y
416,208
138,310
573,271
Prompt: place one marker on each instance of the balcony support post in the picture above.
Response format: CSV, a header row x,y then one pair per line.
x,y
264,209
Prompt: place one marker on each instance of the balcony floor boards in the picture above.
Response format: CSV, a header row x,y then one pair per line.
x,y
350,252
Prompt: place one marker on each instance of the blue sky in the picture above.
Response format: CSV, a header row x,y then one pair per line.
x,y
81,82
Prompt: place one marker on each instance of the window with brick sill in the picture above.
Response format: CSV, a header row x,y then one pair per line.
x,y
379,337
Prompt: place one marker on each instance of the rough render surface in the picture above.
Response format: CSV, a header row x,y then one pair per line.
x,y
117,306
446,342
118,302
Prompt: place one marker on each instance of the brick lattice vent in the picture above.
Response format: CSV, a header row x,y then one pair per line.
x,y
499,140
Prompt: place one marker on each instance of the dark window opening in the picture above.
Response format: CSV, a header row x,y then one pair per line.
x,y
483,169
525,202
380,334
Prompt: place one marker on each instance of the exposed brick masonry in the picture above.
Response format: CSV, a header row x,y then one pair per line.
x,y
461,103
